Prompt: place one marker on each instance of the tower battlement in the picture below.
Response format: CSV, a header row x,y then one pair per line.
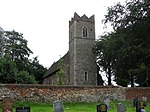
x,y
81,18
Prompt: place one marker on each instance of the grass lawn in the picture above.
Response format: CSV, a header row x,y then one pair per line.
x,y
73,107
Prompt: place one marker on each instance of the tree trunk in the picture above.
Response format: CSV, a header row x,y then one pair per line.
x,y
99,77
109,76
132,81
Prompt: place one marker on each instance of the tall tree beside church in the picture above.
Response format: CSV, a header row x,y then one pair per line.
x,y
16,47
36,69
17,52
131,23
104,56
8,70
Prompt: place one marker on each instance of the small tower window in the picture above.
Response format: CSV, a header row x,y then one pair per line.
x,y
85,76
84,32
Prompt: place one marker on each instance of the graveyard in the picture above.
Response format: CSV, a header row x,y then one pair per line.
x,y
75,107
44,98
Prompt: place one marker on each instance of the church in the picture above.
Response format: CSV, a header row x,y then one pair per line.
x,y
79,63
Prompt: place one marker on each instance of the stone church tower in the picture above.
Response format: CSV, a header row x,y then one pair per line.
x,y
79,63
83,69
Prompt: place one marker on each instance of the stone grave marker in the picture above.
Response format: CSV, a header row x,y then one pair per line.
x,y
102,108
22,109
7,104
144,98
58,106
107,102
140,106
111,98
122,107
134,101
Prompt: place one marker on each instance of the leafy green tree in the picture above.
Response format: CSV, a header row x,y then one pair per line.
x,y
104,56
8,70
23,77
129,46
15,47
36,69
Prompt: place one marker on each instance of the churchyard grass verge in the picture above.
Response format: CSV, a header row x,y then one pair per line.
x,y
73,107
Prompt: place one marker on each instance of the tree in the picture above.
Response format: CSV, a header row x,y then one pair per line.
x,y
16,57
23,77
16,47
104,56
8,70
36,69
129,46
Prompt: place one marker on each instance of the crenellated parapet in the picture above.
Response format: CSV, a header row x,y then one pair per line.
x,y
81,18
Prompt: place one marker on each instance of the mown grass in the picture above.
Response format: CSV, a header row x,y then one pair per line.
x,y
73,107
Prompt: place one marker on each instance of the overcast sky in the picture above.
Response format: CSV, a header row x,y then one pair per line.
x,y
45,23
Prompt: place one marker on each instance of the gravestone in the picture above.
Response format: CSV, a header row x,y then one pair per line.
x,y
107,102
22,109
122,107
58,106
111,98
144,98
7,104
102,108
140,106
134,101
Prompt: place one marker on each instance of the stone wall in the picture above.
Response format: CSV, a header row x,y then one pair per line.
x,y
138,92
45,93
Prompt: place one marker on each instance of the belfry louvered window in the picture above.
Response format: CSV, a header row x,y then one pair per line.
x,y
84,32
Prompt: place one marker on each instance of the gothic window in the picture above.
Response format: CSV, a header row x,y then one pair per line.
x,y
84,32
85,76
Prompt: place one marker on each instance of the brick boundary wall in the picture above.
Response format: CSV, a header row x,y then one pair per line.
x,y
46,93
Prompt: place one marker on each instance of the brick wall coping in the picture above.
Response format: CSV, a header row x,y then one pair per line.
x,y
66,86
133,88
52,86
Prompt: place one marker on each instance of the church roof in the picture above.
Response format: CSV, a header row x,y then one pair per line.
x,y
54,67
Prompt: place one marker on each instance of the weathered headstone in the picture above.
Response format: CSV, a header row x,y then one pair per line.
x,y
7,104
122,107
22,109
111,98
140,106
144,98
58,106
102,108
134,101
107,102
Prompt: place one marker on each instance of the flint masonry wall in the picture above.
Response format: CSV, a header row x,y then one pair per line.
x,y
44,93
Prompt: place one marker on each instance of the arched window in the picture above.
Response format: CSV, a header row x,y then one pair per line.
x,y
84,32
